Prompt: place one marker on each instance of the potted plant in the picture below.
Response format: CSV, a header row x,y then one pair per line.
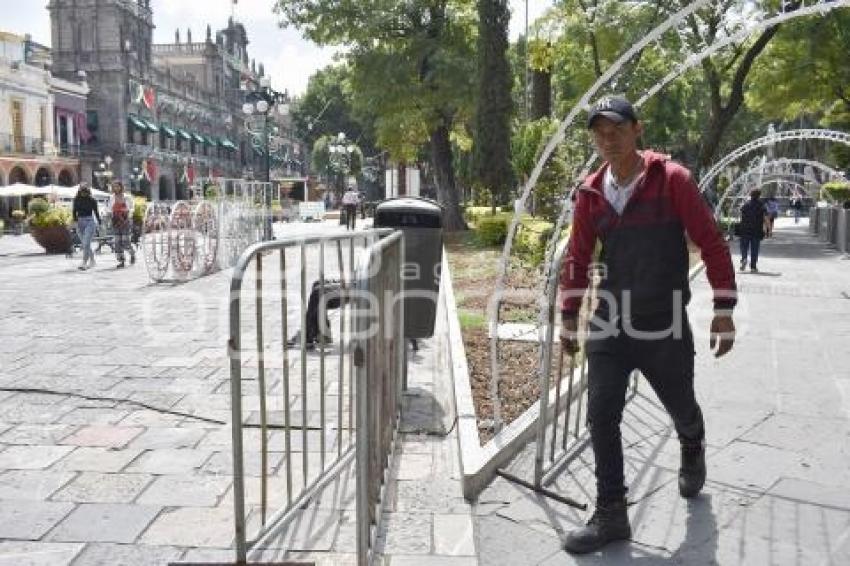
x,y
49,226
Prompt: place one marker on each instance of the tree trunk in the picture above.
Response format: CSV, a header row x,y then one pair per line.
x,y
401,171
441,157
541,94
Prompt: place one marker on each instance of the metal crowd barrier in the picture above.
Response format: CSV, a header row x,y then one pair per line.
x,y
286,402
561,429
380,359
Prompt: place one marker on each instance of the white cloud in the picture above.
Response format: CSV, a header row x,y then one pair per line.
x,y
287,57
536,8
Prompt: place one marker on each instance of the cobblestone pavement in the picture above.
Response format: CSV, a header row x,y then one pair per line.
x,y
778,432
115,442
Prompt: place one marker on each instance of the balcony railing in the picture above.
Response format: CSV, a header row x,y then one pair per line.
x,y
21,145
69,150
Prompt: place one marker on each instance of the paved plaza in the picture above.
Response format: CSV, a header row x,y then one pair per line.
x,y
115,436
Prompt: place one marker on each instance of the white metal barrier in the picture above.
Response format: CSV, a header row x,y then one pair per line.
x,y
369,337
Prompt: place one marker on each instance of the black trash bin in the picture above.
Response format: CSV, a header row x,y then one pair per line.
x,y
421,221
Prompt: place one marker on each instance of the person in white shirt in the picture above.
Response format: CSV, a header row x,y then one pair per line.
x,y
350,200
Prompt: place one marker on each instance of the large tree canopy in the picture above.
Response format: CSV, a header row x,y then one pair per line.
x,y
412,65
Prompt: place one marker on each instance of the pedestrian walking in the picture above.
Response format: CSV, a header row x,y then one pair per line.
x,y
641,206
350,200
772,207
797,207
121,206
751,230
87,217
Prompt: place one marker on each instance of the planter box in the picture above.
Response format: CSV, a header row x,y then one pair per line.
x,y
54,239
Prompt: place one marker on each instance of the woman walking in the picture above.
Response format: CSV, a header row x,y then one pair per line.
x,y
121,207
87,218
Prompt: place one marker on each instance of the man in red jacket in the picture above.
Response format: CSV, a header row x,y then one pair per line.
x,y
641,206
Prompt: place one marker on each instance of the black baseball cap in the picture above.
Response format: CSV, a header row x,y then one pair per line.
x,y
615,108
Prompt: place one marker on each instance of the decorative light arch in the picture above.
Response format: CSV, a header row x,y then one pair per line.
x,y
834,136
737,187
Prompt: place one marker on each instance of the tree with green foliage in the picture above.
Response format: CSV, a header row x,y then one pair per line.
x,y
334,165
412,65
492,146
692,116
326,109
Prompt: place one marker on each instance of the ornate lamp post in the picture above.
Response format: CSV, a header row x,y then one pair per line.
x,y
136,180
104,172
345,150
263,102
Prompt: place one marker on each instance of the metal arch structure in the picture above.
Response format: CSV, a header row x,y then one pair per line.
x,y
834,136
546,313
821,7
798,179
735,188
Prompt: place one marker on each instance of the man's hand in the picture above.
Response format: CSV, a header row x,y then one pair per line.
x,y
569,334
722,334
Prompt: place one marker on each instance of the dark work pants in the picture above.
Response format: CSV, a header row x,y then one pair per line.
x,y
750,246
668,365
350,216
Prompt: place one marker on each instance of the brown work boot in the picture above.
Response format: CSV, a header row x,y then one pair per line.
x,y
609,523
692,469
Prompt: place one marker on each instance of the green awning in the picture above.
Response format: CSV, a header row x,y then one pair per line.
x,y
138,124
209,141
152,127
198,137
226,143
167,131
184,134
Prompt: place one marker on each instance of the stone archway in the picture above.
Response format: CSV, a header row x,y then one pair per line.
x,y
145,189
18,175
66,178
182,192
166,188
42,177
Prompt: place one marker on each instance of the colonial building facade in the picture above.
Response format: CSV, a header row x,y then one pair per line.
x,y
166,115
42,117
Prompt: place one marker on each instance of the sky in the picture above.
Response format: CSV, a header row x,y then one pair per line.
x,y
288,58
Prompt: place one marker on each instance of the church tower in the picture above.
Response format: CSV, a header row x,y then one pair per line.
x,y
108,42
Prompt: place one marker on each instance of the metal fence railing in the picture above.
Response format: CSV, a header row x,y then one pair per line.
x,y
380,360
304,401
561,428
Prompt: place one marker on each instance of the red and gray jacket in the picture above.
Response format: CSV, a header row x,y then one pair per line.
x,y
644,251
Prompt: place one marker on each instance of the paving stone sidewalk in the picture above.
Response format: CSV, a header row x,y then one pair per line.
x,y
115,415
778,432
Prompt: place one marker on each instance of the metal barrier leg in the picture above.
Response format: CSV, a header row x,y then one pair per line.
x,y
344,288
304,446
287,432
322,314
261,382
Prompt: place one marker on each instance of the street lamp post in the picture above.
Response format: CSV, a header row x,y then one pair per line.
x,y
104,172
263,102
343,149
136,180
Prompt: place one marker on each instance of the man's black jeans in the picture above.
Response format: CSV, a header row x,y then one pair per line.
x,y
668,365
